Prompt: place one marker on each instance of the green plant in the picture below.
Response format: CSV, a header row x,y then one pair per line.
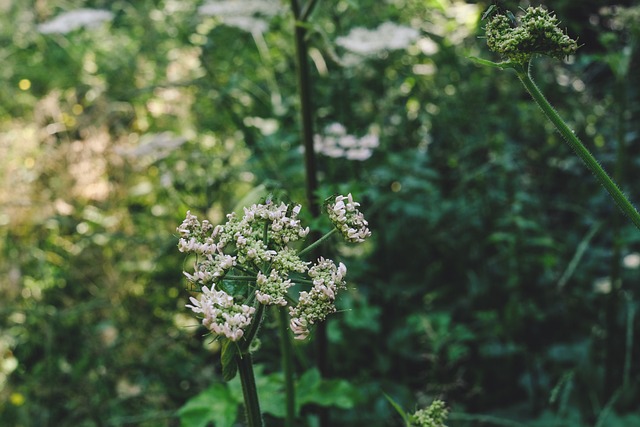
x,y
249,263
538,33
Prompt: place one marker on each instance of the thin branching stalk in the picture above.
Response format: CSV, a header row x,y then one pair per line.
x,y
317,242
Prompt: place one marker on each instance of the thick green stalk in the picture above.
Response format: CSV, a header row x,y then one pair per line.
x,y
621,200
249,390
287,367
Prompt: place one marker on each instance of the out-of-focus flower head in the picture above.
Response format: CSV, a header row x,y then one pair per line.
x,y
74,19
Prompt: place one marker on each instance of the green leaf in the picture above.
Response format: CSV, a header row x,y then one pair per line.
x,y
270,391
228,359
311,388
398,409
214,405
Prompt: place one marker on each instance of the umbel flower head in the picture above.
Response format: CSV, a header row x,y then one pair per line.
x,y
319,302
247,262
537,32
345,216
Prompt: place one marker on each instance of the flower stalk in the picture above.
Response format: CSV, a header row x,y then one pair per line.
x,y
318,242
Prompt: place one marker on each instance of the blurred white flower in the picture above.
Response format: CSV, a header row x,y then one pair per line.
x,y
632,260
602,285
387,36
336,143
427,46
74,19
242,14
225,8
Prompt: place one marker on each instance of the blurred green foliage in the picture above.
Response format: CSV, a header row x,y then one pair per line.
x,y
500,278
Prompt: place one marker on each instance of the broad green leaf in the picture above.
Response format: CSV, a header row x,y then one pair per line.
x,y
311,388
214,405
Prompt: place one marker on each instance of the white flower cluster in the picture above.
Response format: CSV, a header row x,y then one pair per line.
x,y
319,302
220,314
346,217
337,143
247,261
74,19
387,36
246,245
242,14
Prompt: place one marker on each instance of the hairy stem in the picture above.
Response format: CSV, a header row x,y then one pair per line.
x,y
287,366
621,200
249,390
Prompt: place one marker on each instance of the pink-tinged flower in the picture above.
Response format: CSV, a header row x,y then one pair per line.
x,y
346,217
220,314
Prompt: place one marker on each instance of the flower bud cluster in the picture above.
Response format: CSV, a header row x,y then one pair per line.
x,y
432,416
536,33
272,289
319,302
345,216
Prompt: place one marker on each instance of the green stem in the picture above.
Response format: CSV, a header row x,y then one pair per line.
x,y
287,366
317,242
249,390
621,200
